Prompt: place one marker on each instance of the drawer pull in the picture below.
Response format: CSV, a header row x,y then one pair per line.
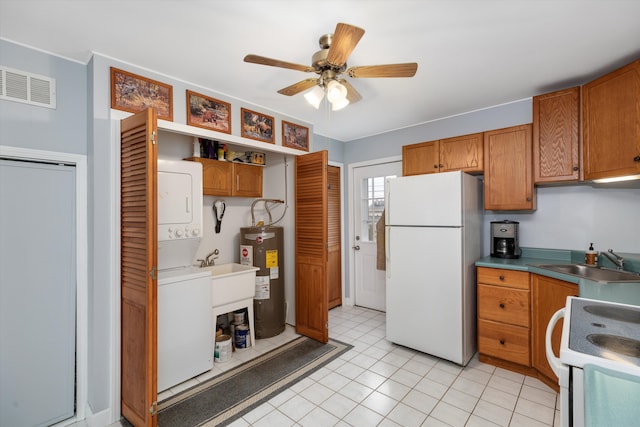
x,y
501,277
502,342
501,305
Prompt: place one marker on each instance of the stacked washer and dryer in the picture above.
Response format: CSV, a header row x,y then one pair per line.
x,y
185,324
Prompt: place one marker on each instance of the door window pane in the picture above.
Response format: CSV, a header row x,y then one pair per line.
x,y
371,206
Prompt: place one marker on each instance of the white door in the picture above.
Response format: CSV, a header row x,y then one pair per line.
x,y
368,182
37,293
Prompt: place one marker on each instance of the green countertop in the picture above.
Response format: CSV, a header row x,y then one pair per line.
x,y
532,257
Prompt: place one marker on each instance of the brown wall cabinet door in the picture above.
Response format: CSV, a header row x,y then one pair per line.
x,y
611,124
556,136
247,180
422,158
508,178
139,255
463,153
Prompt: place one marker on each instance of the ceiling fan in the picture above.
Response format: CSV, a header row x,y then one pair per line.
x,y
330,62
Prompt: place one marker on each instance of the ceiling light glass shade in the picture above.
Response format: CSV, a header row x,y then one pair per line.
x,y
336,92
314,96
339,104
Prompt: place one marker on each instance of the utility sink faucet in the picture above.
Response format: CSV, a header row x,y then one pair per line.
x,y
616,259
210,259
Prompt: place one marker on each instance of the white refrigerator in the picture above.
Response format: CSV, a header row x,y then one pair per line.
x,y
433,236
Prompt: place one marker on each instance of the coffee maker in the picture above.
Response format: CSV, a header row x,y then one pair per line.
x,y
504,239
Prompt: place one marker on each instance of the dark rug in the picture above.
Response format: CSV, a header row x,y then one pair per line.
x,y
227,397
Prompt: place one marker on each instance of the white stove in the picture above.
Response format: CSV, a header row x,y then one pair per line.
x,y
599,363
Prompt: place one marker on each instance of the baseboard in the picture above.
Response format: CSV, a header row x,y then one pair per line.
x,y
100,419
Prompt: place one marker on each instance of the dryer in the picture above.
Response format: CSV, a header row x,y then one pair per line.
x,y
185,316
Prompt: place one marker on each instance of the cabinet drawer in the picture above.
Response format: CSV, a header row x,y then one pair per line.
x,y
503,304
510,278
507,342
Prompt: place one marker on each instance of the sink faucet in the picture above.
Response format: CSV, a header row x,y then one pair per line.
x,y
209,260
616,259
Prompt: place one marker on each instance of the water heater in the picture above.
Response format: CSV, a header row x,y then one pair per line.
x,y
262,247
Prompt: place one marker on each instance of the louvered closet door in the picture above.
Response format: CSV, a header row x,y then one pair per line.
x,y
311,240
138,234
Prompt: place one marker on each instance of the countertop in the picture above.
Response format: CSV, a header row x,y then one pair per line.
x,y
531,257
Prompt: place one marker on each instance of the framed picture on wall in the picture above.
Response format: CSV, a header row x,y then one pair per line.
x,y
208,113
256,126
131,92
295,136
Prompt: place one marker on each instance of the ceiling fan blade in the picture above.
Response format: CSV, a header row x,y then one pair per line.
x,y
352,93
345,39
298,87
389,70
263,60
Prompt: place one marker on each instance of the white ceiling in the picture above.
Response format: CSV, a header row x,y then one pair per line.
x,y
470,54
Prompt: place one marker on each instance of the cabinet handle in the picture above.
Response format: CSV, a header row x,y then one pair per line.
x,y
501,277
435,166
502,341
501,305
576,168
636,159
528,199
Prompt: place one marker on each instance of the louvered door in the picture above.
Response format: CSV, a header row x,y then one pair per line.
x,y
138,246
311,238
334,269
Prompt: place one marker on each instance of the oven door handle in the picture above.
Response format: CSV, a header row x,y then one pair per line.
x,y
554,361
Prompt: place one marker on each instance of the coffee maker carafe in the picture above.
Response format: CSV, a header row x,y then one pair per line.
x,y
504,239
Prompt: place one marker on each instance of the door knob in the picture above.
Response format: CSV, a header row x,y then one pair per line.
x,y
356,247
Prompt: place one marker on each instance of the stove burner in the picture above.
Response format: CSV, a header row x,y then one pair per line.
x,y
621,345
614,313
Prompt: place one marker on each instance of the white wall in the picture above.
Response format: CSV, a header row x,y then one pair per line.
x,y
571,217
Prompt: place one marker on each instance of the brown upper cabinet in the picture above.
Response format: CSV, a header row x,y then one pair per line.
x,y
508,178
220,178
611,124
463,153
556,136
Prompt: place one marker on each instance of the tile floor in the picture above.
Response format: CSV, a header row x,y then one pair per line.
x,y
378,383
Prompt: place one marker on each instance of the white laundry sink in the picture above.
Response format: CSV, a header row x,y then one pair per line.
x,y
232,282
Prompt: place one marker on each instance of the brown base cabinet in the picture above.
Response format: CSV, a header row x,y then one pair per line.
x,y
504,315
514,308
548,296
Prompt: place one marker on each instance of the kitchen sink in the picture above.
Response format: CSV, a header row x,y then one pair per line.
x,y
596,274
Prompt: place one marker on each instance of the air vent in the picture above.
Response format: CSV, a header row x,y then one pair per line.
x,y
27,88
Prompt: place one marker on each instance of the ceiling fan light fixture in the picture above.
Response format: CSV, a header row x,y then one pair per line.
x,y
339,104
336,92
314,96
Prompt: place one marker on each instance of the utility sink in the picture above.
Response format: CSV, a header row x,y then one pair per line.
x,y
596,274
232,282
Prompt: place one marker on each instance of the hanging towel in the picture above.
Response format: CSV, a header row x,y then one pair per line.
x,y
380,257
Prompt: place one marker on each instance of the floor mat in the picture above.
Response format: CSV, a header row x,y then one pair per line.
x,y
227,397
